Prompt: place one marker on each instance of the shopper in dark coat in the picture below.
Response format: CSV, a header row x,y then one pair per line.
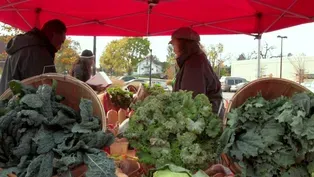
x,y
195,72
32,53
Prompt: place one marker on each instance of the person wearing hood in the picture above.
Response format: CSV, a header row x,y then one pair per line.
x,y
195,72
82,68
33,53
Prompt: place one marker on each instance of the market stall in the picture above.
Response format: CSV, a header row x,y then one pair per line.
x,y
168,133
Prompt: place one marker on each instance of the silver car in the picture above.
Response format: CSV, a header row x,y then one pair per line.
x,y
235,88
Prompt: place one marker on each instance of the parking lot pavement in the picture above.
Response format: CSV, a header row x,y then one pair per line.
x,y
227,95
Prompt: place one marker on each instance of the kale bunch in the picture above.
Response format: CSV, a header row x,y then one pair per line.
x,y
40,137
272,138
175,128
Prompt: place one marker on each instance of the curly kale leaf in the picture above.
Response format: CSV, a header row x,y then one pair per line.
x,y
271,138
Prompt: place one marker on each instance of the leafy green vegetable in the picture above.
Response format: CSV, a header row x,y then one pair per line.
x,y
154,90
40,137
120,97
170,170
272,138
174,128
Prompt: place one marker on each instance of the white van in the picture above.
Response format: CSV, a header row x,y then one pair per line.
x,y
227,82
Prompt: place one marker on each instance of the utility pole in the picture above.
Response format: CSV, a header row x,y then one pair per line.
x,y
281,38
150,67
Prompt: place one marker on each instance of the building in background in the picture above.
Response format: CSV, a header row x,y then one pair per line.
x,y
144,66
295,68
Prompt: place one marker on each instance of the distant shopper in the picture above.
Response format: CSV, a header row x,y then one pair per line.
x,y
195,72
33,53
82,68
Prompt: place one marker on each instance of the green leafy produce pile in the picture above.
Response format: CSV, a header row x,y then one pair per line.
x,y
156,89
174,128
40,137
120,97
272,138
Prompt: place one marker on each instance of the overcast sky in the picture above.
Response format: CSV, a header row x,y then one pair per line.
x,y
300,40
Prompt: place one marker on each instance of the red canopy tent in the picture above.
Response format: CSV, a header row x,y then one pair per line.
x,y
159,17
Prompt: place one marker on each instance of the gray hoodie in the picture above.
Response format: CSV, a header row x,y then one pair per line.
x,y
28,54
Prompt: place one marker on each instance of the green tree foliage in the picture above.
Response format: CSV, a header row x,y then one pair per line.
x,y
170,63
67,55
7,32
123,55
214,53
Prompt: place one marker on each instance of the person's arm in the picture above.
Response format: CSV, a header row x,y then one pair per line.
x,y
193,78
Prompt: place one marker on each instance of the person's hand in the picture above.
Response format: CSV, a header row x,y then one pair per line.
x,y
219,170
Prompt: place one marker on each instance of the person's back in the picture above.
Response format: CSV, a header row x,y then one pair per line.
x,y
32,53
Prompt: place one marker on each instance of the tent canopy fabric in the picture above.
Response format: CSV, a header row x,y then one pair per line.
x,y
160,17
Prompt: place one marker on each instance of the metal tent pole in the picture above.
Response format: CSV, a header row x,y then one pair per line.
x,y
94,51
258,37
150,7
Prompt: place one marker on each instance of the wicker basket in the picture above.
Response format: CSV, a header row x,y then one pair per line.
x,y
270,88
73,90
69,87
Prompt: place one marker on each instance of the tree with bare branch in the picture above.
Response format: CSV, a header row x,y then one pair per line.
x,y
298,63
266,52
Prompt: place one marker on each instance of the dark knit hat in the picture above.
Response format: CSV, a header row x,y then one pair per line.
x,y
87,53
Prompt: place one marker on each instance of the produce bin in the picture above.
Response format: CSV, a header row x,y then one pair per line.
x,y
73,90
69,87
269,88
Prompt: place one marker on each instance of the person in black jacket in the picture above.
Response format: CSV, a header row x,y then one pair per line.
x,y
33,53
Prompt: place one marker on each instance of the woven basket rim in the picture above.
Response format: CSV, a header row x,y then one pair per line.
x,y
65,78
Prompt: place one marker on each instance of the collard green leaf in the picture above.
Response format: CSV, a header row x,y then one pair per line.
x,y
44,140
46,164
45,92
34,166
62,119
32,117
99,165
32,101
24,146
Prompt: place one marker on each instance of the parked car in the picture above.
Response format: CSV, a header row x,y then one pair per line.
x,y
161,83
126,78
135,81
309,85
235,88
227,82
